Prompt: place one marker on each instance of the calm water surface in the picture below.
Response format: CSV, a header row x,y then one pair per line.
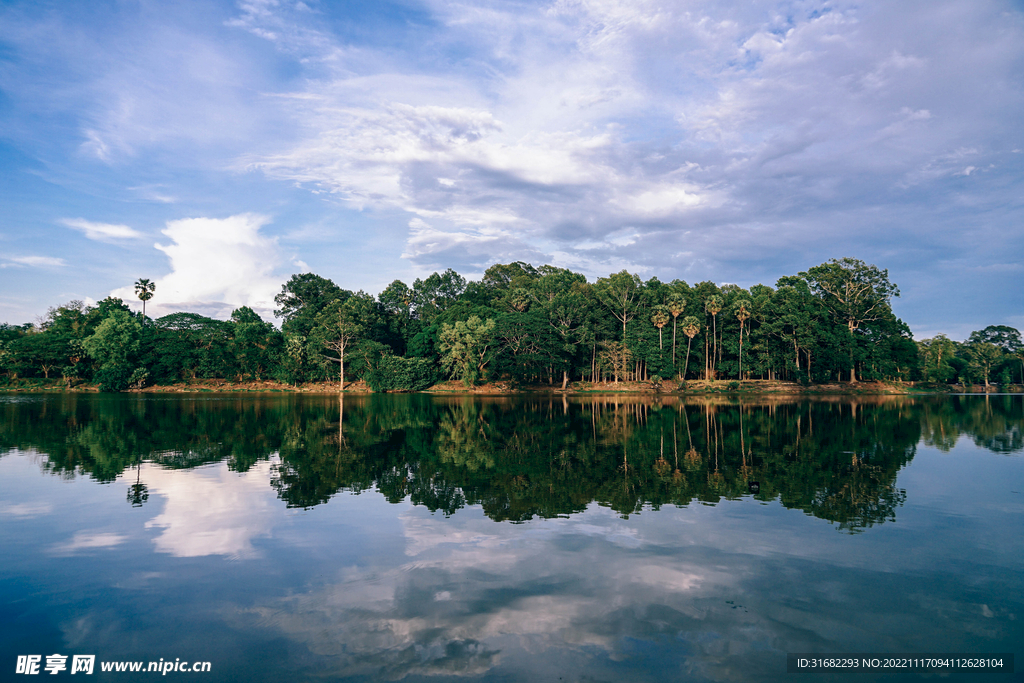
x,y
420,538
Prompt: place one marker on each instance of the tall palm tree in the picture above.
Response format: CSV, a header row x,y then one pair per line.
x,y
713,305
660,318
144,290
691,326
742,314
676,305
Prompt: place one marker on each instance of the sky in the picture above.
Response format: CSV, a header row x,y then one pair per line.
x,y
217,148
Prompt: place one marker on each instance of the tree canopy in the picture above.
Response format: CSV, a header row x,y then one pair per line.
x,y
522,324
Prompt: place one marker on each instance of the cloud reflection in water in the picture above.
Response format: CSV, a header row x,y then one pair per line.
x,y
212,511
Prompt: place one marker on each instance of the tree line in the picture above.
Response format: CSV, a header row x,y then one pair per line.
x,y
522,324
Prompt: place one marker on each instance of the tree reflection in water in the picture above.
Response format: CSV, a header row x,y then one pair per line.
x,y
526,456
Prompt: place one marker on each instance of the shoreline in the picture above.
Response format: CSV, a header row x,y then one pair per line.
x,y
692,388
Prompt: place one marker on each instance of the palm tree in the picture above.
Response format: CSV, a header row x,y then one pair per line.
x,y
660,318
138,493
144,290
713,305
742,313
676,305
691,326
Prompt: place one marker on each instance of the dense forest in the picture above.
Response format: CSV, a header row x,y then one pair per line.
x,y
520,324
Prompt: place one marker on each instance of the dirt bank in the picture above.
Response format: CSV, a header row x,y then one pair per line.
x,y
694,387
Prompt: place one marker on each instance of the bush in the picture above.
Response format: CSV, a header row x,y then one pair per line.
x,y
394,373
734,385
139,378
116,378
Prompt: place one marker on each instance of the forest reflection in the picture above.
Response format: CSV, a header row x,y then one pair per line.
x,y
523,457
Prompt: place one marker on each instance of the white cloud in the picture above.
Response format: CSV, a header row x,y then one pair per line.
x,y
735,141
101,231
26,509
34,262
85,540
590,116
217,265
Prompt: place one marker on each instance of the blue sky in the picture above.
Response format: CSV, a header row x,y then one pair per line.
x,y
219,147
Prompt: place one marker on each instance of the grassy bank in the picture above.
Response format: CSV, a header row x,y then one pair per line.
x,y
693,387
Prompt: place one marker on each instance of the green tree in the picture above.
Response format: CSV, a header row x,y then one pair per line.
x,y
393,373
616,358
526,346
397,299
1005,337
464,347
937,355
799,322
255,344
519,299
660,316
189,345
713,305
506,276
302,299
856,293
676,306
396,312
337,328
691,328
620,293
983,357
144,290
742,314
554,282
437,293
568,312
115,345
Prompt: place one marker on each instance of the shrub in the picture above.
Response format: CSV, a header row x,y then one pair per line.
x,y
112,379
394,373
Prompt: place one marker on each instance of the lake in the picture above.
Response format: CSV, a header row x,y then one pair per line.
x,y
290,537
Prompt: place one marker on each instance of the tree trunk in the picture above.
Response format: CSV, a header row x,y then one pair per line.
x,y
707,356
741,352
853,366
593,361
714,353
673,341
689,341
565,379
